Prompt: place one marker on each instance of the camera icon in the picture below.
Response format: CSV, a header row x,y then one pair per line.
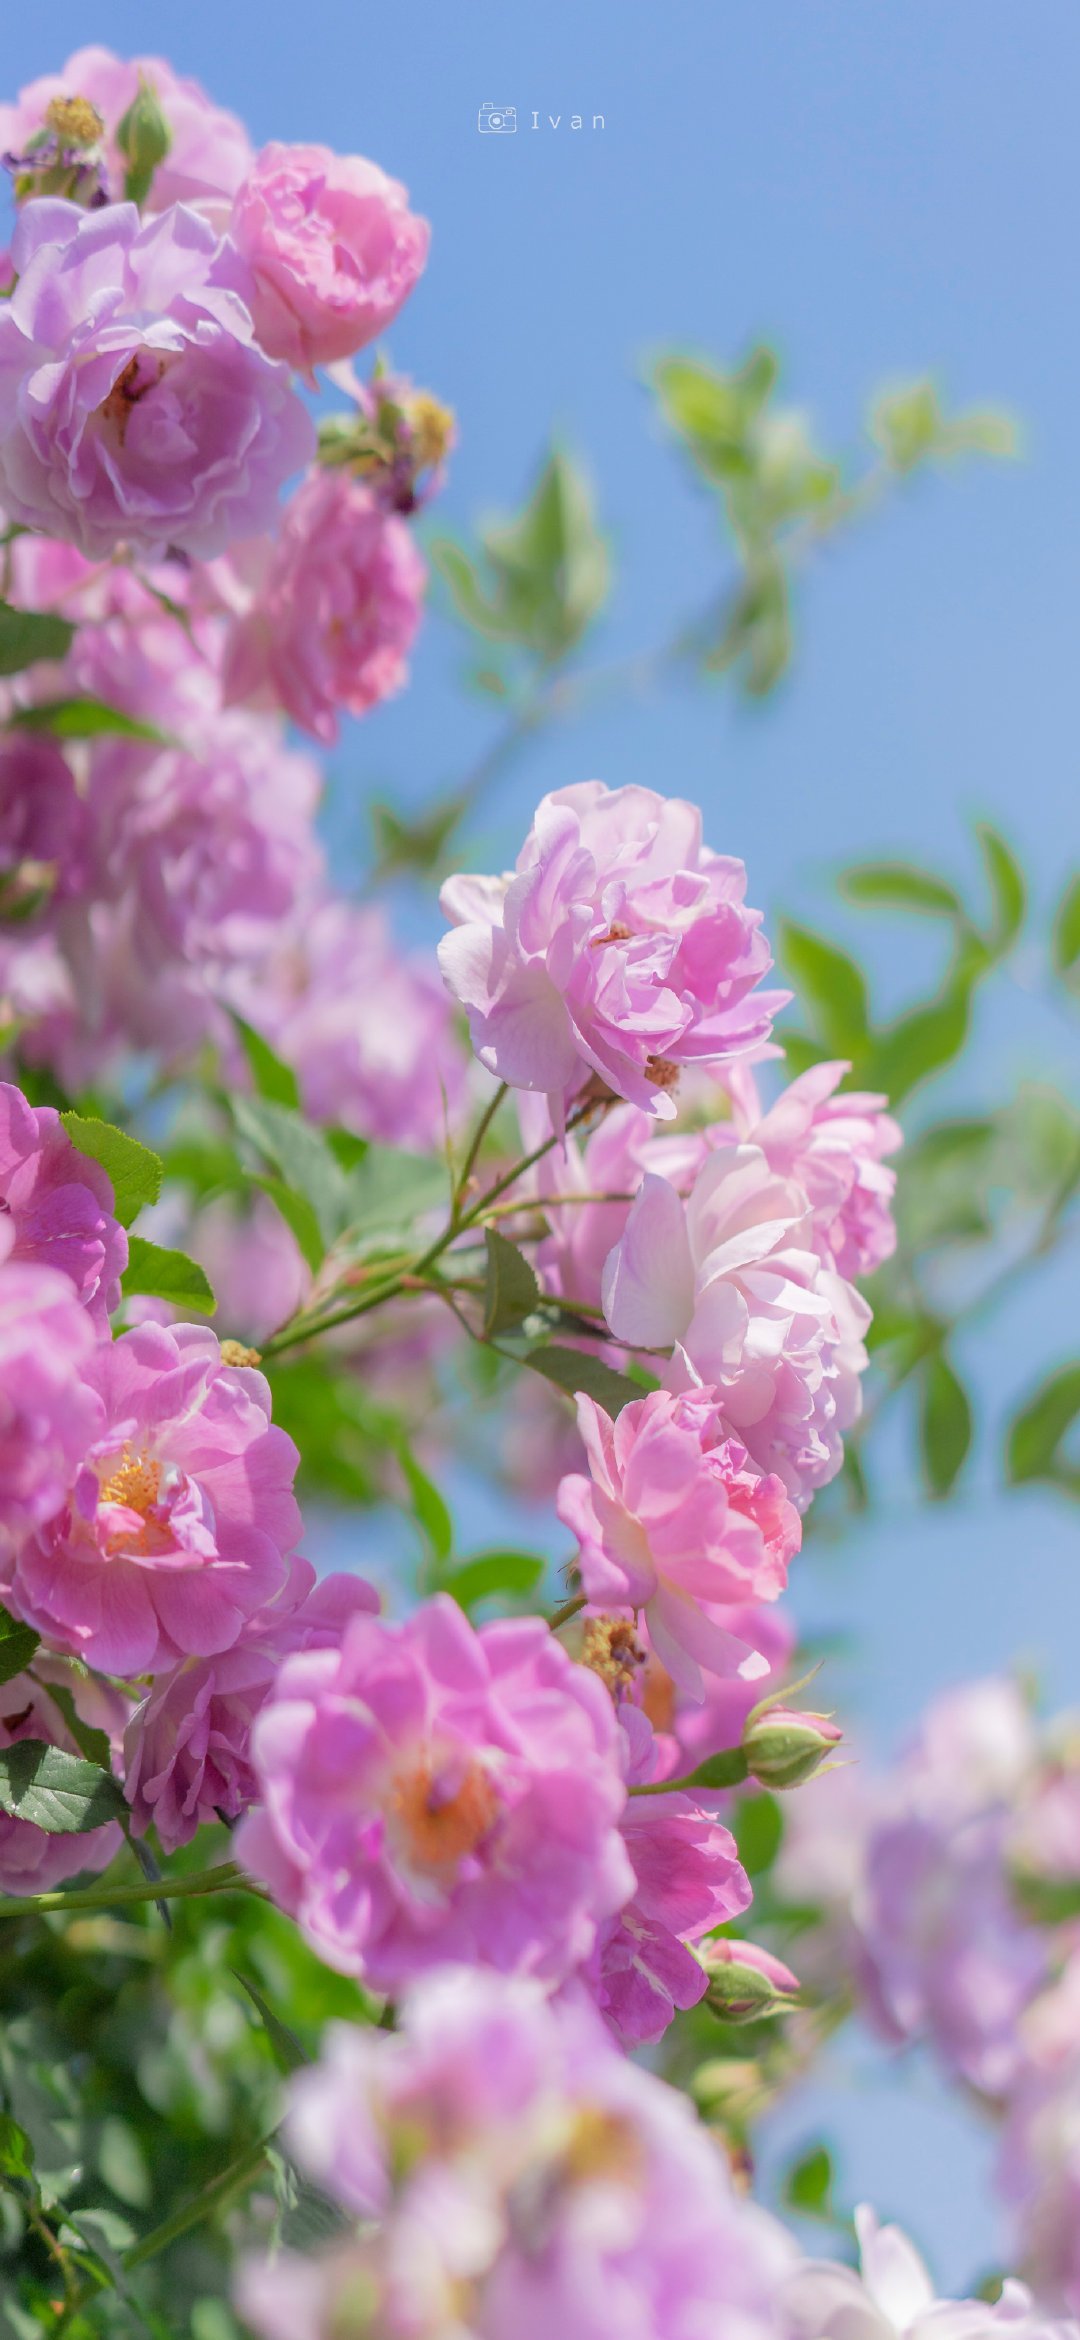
x,y
502,119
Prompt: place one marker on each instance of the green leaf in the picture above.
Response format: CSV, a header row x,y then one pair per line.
x,y
808,2185
759,1828
134,1171
577,1369
551,561
85,718
919,1044
466,591
714,412
1007,885
512,1573
161,1274
273,1078
430,1512
299,1217
1038,1432
300,1155
833,984
390,1189
94,1744
60,1793
945,1425
1066,941
29,634
16,2151
286,2049
896,885
511,1292
17,1645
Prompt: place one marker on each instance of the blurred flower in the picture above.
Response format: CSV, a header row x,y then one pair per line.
x,y
208,150
893,2299
46,1416
58,1204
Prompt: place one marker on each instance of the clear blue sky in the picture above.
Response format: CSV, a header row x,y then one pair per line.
x,y
884,189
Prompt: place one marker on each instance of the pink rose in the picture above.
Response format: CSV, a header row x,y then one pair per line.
x,y
333,248
209,150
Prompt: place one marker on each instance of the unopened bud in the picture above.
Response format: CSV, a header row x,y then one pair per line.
x,y
144,138
747,1984
784,1747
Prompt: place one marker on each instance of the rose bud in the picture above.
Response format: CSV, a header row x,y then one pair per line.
x,y
783,1747
747,1984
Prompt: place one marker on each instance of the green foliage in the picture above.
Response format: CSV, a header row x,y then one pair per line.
x,y
1037,1437
85,719
134,1171
809,2182
273,1079
1066,936
911,427
945,1425
511,1292
489,1575
27,635
144,139
60,1793
17,1645
155,1272
542,577
578,1369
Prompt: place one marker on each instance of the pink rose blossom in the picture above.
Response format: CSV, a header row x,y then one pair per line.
x,y
762,1642
175,1527
834,1146
527,2180
431,1791
369,1031
188,1746
135,406
672,1518
333,248
58,1204
331,625
619,948
31,1859
42,820
46,1416
728,1279
208,152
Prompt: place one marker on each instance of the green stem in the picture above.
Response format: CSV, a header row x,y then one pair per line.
x,y
569,1609
241,2172
476,1141
225,1878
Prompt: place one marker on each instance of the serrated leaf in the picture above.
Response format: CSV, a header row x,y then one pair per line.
x,y
17,1645
833,984
577,1369
301,1156
1007,885
155,1272
511,1292
86,719
1066,940
29,634
60,1793
897,885
945,1425
512,1573
287,2052
299,1217
272,1077
134,1170
1038,1432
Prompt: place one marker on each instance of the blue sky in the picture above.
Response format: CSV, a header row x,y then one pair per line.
x,y
884,190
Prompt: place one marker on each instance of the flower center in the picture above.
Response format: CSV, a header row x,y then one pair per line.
x,y
661,1072
616,932
74,120
611,1649
601,2146
136,1483
128,388
443,1819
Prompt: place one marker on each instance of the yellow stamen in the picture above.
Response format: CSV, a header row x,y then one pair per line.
x,y
442,1830
601,2146
75,121
136,1483
611,1649
432,426
235,1353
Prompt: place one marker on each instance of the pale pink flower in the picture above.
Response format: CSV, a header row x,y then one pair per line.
x,y
331,624
42,819
46,1341
620,948
893,2299
728,1279
135,405
209,151
430,1791
174,1528
333,248
833,1142
673,1518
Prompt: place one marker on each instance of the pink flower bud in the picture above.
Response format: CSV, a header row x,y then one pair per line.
x,y
747,1984
783,1747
